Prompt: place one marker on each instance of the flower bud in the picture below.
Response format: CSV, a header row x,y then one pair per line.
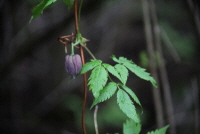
x,y
73,64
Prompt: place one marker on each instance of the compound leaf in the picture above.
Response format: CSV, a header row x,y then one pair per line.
x,y
40,7
122,70
97,80
69,3
105,93
130,127
90,65
126,105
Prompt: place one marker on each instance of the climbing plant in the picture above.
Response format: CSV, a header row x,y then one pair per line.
x,y
100,81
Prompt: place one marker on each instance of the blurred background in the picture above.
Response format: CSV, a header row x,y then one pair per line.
x,y
36,96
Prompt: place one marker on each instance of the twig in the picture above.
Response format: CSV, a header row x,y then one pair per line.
x,y
95,119
149,41
163,70
169,44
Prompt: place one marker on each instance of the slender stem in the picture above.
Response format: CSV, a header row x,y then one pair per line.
x,y
83,62
150,49
72,49
95,119
163,70
79,13
89,52
76,16
85,92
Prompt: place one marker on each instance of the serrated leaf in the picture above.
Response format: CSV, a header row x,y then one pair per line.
x,y
130,127
69,3
132,94
159,131
121,60
90,65
40,7
105,93
140,72
112,70
123,72
126,105
97,80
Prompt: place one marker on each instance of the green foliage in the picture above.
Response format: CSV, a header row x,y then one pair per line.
x,y
131,127
112,70
126,105
106,93
123,72
45,4
102,90
159,131
40,7
90,65
140,72
69,3
97,80
132,94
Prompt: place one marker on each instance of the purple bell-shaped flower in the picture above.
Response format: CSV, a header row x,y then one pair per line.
x,y
73,64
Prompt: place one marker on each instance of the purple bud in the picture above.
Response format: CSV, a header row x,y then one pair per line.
x,y
73,64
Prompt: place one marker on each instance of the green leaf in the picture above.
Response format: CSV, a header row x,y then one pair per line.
x,y
132,94
112,70
90,65
159,131
97,80
126,105
40,7
69,3
105,93
123,72
140,72
130,127
121,60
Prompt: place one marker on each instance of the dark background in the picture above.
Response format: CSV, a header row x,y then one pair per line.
x,y
35,95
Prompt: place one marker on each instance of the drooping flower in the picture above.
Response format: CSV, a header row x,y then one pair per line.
x,y
73,64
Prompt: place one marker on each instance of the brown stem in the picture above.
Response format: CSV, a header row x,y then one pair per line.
x,y
163,70
153,70
83,62
76,15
